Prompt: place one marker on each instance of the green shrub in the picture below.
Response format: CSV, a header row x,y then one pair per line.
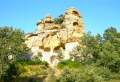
x,y
85,74
74,71
68,63
25,69
12,72
59,20
30,62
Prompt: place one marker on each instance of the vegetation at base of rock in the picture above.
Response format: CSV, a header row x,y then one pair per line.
x,y
28,69
31,62
99,59
68,63
85,73
74,71
96,59
104,51
12,44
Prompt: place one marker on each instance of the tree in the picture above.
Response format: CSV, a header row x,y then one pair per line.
x,y
110,54
59,20
88,49
110,33
11,45
102,51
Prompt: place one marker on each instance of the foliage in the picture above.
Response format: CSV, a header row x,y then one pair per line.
x,y
59,20
96,59
85,74
110,54
68,63
87,51
102,52
21,69
11,45
13,72
31,62
110,33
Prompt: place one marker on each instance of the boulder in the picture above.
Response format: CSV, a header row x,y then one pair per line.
x,y
50,38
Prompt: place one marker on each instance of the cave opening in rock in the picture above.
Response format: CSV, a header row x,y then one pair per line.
x,y
75,23
75,12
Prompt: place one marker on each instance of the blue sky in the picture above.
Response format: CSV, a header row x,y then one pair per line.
x,y
97,14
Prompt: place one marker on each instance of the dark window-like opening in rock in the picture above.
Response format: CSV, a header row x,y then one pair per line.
x,y
75,12
75,23
48,21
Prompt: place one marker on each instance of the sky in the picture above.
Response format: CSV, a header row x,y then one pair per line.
x,y
97,15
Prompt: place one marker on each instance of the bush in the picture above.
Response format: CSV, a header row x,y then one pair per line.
x,y
111,61
26,68
12,44
13,72
68,63
30,62
74,71
59,20
85,74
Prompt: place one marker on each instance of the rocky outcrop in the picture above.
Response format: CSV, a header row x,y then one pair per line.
x,y
52,38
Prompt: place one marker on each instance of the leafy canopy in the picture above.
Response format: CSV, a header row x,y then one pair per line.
x,y
12,44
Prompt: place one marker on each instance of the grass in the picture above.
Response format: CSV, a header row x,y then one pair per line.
x,y
69,63
23,71
115,81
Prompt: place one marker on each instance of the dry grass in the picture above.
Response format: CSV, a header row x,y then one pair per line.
x,y
115,81
34,70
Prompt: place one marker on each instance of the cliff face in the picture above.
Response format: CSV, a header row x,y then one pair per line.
x,y
53,38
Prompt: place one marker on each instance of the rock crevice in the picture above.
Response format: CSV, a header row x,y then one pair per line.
x,y
51,37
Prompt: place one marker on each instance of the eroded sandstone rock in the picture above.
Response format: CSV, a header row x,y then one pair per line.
x,y
50,38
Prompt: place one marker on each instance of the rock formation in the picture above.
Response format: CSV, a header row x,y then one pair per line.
x,y
53,38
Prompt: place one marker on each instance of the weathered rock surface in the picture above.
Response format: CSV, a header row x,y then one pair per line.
x,y
50,39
